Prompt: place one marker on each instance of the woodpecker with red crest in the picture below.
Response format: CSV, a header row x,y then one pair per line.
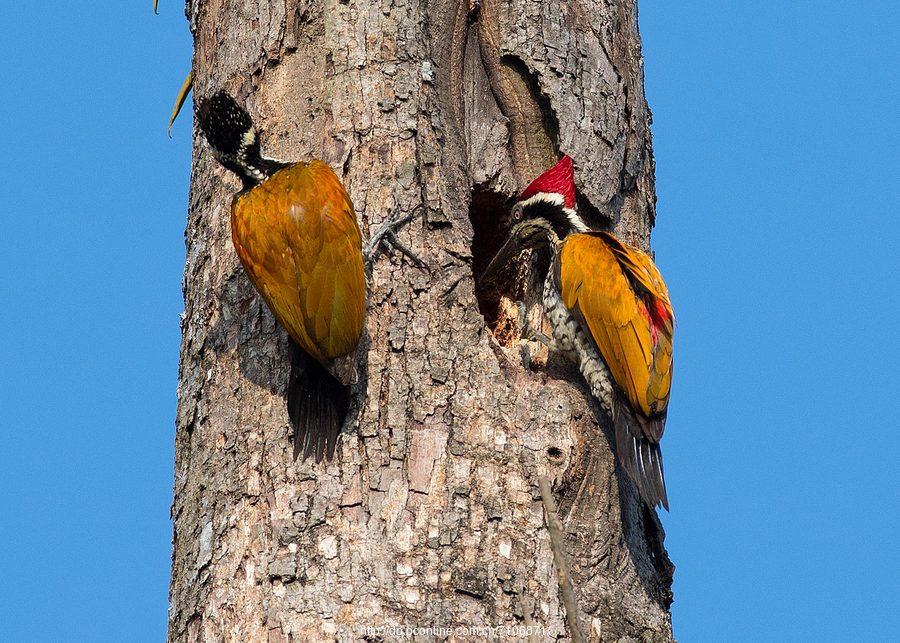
x,y
296,234
610,311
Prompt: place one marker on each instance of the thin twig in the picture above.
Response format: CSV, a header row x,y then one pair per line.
x,y
559,558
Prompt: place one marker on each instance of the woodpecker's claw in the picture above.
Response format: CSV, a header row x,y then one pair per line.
x,y
526,356
528,334
538,336
393,241
387,234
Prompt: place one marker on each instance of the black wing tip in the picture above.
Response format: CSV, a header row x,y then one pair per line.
x,y
317,407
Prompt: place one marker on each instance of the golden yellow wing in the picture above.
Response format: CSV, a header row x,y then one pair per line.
x,y
623,300
297,236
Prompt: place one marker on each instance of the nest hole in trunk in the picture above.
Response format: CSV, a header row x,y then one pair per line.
x,y
499,299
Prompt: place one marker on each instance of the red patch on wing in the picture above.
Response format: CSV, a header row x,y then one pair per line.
x,y
661,314
657,315
559,179
654,325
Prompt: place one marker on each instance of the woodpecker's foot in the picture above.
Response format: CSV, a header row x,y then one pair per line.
x,y
538,336
525,352
529,334
532,359
387,235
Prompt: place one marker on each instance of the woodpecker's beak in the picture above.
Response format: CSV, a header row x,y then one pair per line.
x,y
510,249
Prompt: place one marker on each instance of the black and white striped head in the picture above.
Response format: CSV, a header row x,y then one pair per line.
x,y
547,210
544,214
232,136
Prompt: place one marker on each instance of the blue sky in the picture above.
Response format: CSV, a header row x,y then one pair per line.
x,y
775,135
776,146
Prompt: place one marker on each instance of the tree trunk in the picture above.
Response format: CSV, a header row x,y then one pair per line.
x,y
430,515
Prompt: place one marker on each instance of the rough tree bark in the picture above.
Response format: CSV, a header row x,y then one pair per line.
x,y
430,514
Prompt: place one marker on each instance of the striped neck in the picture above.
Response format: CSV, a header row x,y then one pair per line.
x,y
233,138
251,168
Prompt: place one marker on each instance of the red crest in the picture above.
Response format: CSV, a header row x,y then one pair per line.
x,y
559,179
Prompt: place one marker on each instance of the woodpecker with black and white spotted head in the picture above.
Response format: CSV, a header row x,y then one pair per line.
x,y
295,232
610,311
231,134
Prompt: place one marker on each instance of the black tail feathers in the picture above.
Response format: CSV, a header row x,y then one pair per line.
x,y
640,456
317,406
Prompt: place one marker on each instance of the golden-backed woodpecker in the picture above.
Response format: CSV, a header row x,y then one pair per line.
x,y
610,311
295,232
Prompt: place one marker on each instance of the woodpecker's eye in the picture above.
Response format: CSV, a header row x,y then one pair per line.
x,y
517,213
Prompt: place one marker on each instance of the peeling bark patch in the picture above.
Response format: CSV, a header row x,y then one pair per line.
x,y
426,447
204,554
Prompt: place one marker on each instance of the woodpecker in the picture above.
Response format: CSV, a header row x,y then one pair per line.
x,y
610,311
296,234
